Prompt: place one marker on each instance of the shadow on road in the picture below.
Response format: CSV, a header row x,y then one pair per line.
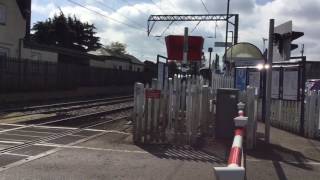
x,y
277,153
216,155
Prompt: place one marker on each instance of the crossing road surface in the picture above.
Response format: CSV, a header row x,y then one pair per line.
x,y
289,157
110,154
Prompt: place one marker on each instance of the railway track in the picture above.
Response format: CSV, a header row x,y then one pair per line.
x,y
71,103
60,107
89,118
81,122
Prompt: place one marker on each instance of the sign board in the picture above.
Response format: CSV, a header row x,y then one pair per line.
x,y
290,85
175,46
254,79
241,79
222,44
239,62
275,84
153,94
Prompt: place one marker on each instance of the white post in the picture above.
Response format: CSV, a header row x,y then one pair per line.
x,y
251,126
171,111
155,112
204,109
138,111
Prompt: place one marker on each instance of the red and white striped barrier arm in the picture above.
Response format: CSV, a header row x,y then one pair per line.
x,y
235,169
236,149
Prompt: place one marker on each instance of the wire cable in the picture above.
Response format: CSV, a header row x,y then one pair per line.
x,y
157,6
205,7
115,10
166,28
110,18
196,26
135,7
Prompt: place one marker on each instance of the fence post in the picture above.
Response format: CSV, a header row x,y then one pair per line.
x,y
138,111
251,113
171,111
154,112
147,118
204,109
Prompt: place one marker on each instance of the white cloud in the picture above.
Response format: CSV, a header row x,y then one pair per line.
x,y
254,20
42,9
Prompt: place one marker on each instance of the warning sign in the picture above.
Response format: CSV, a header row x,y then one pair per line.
x,y
153,94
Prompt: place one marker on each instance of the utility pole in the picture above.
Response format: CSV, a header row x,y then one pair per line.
x,y
264,44
302,50
185,50
225,48
210,51
269,81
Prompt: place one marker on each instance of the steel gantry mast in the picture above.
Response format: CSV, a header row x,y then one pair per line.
x,y
196,17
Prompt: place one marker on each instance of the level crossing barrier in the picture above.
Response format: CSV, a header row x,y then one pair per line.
x,y
235,169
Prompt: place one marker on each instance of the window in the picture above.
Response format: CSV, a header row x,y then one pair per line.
x,y
3,14
4,52
35,56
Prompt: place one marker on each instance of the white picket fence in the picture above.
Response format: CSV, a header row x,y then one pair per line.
x,y
250,98
286,114
183,112
221,81
312,115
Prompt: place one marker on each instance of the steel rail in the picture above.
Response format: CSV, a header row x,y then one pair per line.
x,y
31,108
72,107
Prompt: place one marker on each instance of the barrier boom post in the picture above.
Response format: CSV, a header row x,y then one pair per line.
x,y
235,169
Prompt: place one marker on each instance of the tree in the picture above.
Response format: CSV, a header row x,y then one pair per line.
x,y
117,48
173,69
68,32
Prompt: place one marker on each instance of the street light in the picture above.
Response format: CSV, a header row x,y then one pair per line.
x,y
262,67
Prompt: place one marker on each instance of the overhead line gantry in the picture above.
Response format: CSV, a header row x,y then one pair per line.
x,y
196,17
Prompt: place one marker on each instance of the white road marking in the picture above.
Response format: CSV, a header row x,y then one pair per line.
x,y
7,124
17,128
11,142
53,127
92,148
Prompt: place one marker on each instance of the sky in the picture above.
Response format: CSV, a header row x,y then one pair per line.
x,y
125,21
